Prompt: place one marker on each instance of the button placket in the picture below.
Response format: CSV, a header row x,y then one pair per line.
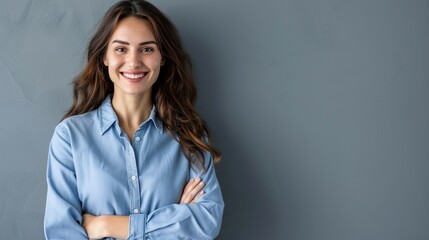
x,y
132,176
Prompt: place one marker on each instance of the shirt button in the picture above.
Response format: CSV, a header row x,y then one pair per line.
x,y
133,178
136,210
138,139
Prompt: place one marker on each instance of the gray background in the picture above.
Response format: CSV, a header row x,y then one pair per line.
x,y
320,108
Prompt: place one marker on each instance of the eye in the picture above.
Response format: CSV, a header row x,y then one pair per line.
x,y
147,49
120,49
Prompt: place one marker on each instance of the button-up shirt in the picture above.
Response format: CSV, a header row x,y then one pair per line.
x,y
93,167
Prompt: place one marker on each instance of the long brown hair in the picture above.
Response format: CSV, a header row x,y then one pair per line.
x,y
174,93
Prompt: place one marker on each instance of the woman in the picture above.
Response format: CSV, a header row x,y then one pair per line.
x,y
130,159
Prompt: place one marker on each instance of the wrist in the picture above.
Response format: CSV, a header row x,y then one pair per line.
x,y
104,226
114,226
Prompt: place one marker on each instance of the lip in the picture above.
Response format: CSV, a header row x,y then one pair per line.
x,y
133,76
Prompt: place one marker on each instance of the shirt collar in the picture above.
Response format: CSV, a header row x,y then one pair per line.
x,y
107,117
155,119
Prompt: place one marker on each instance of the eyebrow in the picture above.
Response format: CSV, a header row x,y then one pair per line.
x,y
127,43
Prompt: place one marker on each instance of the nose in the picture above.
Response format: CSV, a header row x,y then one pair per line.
x,y
134,59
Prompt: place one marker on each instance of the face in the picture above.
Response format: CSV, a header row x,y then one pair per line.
x,y
133,57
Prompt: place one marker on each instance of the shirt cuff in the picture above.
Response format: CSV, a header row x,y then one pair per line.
x,y
137,226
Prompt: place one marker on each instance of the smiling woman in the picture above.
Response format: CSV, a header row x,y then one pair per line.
x,y
131,158
133,58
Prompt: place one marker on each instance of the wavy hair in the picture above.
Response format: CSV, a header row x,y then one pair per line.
x,y
174,93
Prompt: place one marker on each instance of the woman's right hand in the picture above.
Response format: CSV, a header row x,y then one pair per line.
x,y
192,191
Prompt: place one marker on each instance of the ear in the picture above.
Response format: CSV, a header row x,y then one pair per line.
x,y
106,63
162,62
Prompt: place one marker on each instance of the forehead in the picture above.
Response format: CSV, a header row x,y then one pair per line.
x,y
133,29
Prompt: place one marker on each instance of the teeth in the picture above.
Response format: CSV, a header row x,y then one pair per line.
x,y
133,76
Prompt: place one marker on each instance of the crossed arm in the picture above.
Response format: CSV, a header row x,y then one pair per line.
x,y
115,226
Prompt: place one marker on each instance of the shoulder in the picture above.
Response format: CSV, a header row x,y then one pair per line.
x,y
81,122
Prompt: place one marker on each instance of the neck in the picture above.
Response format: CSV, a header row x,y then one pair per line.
x,y
131,110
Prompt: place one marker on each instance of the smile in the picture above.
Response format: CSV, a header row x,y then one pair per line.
x,y
133,76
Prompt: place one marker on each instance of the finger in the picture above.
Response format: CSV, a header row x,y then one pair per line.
x,y
187,189
191,184
194,192
197,189
191,190
199,195
186,195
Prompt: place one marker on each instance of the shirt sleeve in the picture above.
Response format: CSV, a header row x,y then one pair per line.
x,y
63,214
201,220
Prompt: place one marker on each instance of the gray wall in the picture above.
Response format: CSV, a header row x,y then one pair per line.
x,y
320,109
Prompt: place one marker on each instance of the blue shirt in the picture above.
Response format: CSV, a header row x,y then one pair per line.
x,y
94,168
